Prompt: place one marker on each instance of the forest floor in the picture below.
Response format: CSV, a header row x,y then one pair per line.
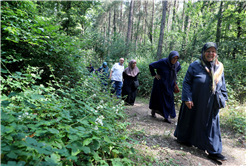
x,y
156,141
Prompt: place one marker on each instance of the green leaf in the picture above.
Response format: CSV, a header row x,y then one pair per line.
x,y
12,155
116,162
115,151
107,139
87,141
5,103
4,71
96,157
43,151
54,131
95,145
73,158
12,94
37,96
55,157
85,149
8,137
13,163
2,129
5,148
31,141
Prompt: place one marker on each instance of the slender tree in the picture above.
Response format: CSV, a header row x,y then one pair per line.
x,y
163,20
239,9
129,26
174,12
109,16
138,23
121,21
218,34
114,21
152,23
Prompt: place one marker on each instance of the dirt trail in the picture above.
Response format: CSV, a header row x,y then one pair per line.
x,y
156,138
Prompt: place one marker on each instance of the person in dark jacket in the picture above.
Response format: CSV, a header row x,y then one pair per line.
x,y
103,73
198,121
162,98
129,89
90,68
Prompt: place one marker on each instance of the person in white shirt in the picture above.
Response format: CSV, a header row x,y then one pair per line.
x,y
116,77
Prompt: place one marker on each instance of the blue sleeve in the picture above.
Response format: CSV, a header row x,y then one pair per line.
x,y
155,65
99,69
187,85
223,88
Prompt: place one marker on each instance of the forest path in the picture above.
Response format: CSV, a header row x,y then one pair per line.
x,y
156,139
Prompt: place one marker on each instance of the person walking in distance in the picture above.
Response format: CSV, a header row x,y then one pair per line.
x,y
116,77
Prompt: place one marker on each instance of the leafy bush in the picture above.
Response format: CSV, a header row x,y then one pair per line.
x,y
60,126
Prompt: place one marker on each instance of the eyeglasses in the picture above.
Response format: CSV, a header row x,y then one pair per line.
x,y
176,58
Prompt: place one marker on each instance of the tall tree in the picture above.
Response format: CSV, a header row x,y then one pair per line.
x,y
137,30
145,20
174,12
152,23
218,33
240,7
114,21
121,8
169,5
129,26
163,20
183,17
109,16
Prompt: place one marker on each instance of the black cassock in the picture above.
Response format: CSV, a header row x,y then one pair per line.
x,y
129,92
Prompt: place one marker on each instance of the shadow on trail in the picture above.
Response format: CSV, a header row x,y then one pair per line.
x,y
158,136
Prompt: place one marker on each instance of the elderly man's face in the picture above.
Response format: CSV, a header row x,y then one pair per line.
x,y
121,61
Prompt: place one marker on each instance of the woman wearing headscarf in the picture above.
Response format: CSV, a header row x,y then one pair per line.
x,y
103,73
198,122
129,89
162,98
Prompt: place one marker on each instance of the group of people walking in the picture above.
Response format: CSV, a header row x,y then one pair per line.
x,y
198,122
124,81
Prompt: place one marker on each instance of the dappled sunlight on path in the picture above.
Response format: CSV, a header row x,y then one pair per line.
x,y
156,139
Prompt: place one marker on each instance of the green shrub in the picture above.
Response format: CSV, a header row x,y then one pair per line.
x,y
60,126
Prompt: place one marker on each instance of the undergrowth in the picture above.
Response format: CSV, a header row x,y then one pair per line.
x,y
60,125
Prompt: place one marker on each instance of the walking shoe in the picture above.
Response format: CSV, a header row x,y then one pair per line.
x,y
217,156
168,121
153,114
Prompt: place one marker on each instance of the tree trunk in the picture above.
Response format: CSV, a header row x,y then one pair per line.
x,y
121,21
114,22
218,34
174,11
183,16
152,28
169,13
137,31
239,28
145,20
132,31
163,20
109,16
129,26
105,26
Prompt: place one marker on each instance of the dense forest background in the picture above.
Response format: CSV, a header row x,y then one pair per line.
x,y
54,112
